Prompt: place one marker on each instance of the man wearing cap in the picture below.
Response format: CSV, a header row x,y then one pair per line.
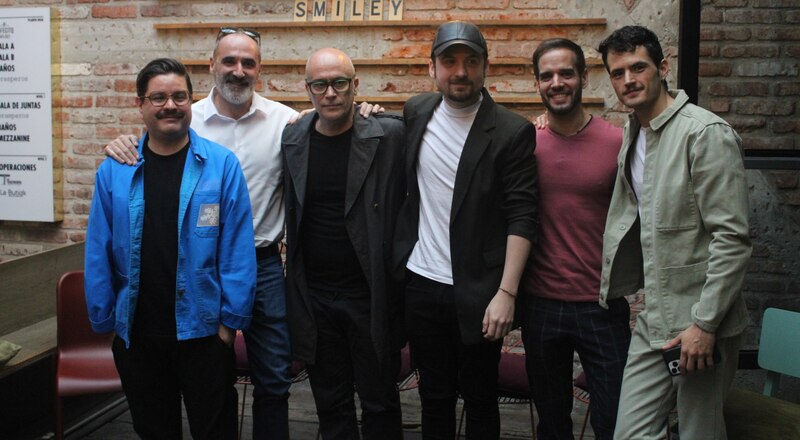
x,y
464,233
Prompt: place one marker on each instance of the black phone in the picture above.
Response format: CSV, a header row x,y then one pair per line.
x,y
672,359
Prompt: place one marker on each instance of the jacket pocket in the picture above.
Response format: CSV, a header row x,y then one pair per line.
x,y
679,290
205,216
675,209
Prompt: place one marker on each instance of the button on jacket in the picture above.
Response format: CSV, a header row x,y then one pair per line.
x,y
687,241
216,274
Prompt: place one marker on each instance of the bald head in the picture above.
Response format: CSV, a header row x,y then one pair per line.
x,y
329,58
331,84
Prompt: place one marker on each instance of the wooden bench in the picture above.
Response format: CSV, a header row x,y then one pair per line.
x,y
28,296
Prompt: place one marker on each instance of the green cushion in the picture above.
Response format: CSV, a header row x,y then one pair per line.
x,y
754,416
7,351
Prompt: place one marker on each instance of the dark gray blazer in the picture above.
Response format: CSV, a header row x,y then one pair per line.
x,y
373,194
495,195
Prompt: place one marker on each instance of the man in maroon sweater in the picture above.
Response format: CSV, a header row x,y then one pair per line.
x,y
576,162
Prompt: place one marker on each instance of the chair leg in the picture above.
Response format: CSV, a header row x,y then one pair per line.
x,y
585,420
241,412
533,423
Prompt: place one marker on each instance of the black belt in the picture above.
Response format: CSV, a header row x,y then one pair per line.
x,y
267,251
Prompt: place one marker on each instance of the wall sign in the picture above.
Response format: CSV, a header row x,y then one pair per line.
x,y
26,127
347,10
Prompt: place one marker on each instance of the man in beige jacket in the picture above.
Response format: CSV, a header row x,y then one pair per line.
x,y
677,227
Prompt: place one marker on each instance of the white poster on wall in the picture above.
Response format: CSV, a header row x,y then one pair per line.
x,y
26,128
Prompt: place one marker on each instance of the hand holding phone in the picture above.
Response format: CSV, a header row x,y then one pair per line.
x,y
672,359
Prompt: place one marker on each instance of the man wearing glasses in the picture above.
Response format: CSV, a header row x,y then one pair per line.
x,y
250,126
169,266
342,192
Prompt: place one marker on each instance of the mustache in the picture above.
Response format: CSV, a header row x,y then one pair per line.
x,y
170,113
232,79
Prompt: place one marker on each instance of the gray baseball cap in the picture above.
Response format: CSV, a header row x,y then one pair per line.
x,y
458,32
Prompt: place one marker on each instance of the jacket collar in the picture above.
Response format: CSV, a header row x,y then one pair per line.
x,y
680,99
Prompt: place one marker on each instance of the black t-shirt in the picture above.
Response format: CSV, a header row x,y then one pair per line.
x,y
155,308
330,260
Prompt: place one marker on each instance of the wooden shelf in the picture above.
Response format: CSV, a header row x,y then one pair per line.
x,y
400,99
590,62
545,22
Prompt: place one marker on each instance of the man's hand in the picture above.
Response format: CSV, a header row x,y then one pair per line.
x,y
366,109
697,349
541,121
499,316
123,149
227,334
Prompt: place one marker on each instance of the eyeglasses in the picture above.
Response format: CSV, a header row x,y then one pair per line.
x,y
320,87
223,31
160,99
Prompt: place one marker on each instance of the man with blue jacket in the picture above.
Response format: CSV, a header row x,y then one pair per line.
x,y
170,266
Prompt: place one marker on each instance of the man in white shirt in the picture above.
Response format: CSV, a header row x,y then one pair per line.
x,y
251,126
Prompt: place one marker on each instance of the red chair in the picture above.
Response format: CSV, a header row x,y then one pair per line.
x,y
84,362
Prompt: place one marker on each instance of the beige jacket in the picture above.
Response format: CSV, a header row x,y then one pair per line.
x,y
687,241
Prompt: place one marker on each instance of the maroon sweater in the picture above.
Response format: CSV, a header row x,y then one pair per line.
x,y
576,178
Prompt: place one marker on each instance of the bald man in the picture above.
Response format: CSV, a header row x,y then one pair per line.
x,y
342,193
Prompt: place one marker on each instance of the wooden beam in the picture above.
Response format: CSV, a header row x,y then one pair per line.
x,y
590,62
545,22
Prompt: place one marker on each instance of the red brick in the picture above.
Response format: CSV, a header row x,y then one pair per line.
x,y
81,208
516,86
749,16
786,126
710,16
793,50
417,5
729,3
73,101
420,34
755,106
787,89
773,33
114,11
407,86
773,3
72,162
750,51
215,9
536,4
47,235
482,4
739,88
508,70
93,116
131,117
708,50
511,50
104,133
791,17
173,10
724,33
719,105
73,12
418,71
88,148
258,8
538,34
295,86
392,35
77,237
768,143
115,69
496,34
125,86
707,68
83,177
77,132
746,124
78,192
85,84
116,101
60,115
413,50
72,2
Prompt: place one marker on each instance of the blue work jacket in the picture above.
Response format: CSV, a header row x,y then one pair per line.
x,y
216,273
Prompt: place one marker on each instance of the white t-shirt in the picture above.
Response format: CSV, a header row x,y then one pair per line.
x,y
255,139
439,154
637,163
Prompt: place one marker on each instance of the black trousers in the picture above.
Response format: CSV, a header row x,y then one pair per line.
x,y
552,331
447,367
156,373
346,358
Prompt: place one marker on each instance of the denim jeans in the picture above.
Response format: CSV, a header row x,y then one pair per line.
x,y
269,353
447,367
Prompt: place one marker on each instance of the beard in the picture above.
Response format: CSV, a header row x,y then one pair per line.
x,y
564,108
234,90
